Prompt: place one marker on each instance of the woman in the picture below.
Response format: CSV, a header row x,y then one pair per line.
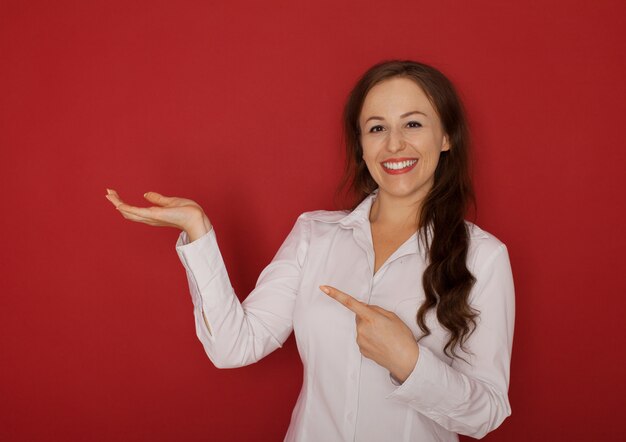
x,y
413,338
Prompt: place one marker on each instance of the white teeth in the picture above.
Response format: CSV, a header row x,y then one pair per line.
x,y
399,165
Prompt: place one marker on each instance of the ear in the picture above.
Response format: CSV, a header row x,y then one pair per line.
x,y
445,145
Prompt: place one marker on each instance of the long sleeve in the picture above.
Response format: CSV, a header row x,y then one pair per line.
x,y
235,334
470,397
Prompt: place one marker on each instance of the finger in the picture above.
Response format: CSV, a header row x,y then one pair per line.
x,y
112,192
116,202
114,198
348,301
159,199
156,215
382,311
143,212
131,217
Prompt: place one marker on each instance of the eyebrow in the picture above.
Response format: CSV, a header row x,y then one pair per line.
x,y
401,116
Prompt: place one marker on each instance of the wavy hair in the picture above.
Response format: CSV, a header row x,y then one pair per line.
x,y
447,281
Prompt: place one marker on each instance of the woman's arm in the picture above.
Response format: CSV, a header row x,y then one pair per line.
x,y
235,334
471,398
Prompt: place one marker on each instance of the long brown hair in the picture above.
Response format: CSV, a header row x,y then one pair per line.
x,y
447,281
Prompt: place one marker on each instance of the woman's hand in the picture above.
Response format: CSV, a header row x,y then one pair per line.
x,y
381,335
181,213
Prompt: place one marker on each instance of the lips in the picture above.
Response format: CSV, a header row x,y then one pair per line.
x,y
399,165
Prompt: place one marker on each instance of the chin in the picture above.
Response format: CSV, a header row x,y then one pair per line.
x,y
412,192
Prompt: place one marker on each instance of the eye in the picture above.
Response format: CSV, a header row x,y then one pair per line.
x,y
414,124
376,128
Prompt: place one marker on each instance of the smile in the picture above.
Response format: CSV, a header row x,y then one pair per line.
x,y
396,167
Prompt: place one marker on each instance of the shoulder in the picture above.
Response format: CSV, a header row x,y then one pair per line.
x,y
332,220
484,246
321,224
318,221
488,260
324,216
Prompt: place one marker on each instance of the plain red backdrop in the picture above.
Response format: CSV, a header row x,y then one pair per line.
x,y
237,105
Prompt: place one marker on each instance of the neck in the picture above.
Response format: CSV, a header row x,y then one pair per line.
x,y
388,210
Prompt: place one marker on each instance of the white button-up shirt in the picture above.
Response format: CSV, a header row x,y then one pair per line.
x,y
345,396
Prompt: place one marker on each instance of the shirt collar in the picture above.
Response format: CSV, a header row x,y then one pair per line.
x,y
358,219
361,213
352,219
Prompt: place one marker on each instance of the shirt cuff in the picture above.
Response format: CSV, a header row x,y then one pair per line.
x,y
201,258
429,388
183,238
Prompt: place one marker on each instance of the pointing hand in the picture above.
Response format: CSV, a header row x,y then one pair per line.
x,y
381,335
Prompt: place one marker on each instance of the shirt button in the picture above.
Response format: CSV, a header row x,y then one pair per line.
x,y
353,375
350,416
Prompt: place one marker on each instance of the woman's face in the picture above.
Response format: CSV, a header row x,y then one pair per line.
x,y
402,138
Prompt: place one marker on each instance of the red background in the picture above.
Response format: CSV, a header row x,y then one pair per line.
x,y
238,107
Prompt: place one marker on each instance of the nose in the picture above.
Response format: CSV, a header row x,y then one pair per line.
x,y
396,141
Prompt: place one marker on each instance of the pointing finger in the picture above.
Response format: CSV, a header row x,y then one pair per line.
x,y
348,301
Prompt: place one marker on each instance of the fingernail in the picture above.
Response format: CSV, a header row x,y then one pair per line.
x,y
145,194
324,289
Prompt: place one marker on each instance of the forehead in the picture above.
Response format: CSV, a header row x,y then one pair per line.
x,y
396,96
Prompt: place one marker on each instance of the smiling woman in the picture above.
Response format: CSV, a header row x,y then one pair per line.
x,y
401,149
436,195
403,312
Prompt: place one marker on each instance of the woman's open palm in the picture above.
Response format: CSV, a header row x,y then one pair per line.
x,y
180,213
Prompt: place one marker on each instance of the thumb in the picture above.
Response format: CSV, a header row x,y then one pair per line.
x,y
157,198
